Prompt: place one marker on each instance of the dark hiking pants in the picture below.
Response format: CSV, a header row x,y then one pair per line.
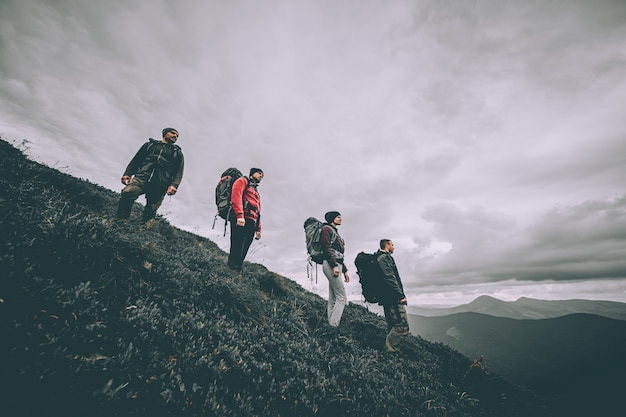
x,y
240,240
397,325
135,188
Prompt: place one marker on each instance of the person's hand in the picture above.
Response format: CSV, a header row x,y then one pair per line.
x,y
258,235
241,222
171,190
125,179
346,277
336,271
403,301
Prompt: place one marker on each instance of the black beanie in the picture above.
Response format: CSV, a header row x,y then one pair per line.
x,y
330,216
168,129
254,171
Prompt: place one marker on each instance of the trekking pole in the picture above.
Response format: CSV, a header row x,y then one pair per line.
x,y
309,266
230,208
215,219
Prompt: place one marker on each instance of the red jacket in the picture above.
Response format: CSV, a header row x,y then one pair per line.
x,y
246,201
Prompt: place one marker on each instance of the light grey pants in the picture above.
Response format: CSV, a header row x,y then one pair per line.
x,y
336,295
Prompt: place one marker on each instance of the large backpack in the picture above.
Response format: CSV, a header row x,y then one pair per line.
x,y
370,276
223,192
312,235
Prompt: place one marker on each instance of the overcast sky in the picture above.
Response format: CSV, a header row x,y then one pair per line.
x,y
487,138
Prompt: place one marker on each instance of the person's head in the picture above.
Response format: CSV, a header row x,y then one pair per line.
x,y
386,245
256,174
333,217
170,135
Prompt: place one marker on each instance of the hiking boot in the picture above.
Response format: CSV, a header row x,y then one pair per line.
x,y
147,225
391,350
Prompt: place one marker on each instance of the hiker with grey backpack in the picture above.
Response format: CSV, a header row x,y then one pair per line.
x,y
326,247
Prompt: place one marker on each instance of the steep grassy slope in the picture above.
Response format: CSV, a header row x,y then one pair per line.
x,y
105,318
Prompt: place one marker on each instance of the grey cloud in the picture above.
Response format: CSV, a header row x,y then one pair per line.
x,y
580,242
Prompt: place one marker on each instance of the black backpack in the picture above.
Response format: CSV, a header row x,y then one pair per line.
x,y
223,192
370,276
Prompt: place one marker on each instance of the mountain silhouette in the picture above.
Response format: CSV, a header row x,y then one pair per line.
x,y
108,318
529,308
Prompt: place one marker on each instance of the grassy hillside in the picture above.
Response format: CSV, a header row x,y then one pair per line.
x,y
105,318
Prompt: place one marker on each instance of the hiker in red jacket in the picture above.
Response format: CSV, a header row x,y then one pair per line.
x,y
245,222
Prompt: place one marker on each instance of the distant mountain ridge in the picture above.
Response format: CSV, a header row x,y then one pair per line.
x,y
566,358
528,308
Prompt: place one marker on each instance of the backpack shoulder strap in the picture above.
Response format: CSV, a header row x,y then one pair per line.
x,y
149,144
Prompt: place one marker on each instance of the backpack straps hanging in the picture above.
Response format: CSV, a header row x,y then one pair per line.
x,y
309,267
225,220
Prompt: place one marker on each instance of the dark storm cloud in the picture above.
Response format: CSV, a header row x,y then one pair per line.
x,y
571,243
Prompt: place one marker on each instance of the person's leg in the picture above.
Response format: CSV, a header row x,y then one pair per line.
x,y
129,194
397,324
237,235
336,295
328,273
154,198
248,237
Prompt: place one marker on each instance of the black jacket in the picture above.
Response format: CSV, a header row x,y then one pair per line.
x,y
158,163
394,291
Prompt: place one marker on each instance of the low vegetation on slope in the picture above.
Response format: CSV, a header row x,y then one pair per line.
x,y
106,318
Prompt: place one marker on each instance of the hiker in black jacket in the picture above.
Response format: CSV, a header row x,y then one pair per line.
x,y
155,170
393,298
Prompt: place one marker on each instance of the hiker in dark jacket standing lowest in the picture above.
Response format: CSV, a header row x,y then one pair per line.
x,y
333,248
245,222
155,170
393,298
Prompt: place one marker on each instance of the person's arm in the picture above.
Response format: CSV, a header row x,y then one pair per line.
x,y
258,223
133,165
171,190
325,240
236,199
179,174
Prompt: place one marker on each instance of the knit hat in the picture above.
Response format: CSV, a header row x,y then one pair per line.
x,y
330,216
254,171
167,130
